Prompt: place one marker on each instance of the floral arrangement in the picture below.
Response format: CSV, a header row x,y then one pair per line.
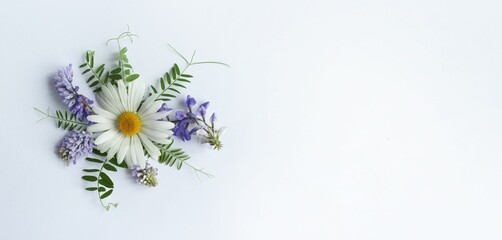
x,y
131,125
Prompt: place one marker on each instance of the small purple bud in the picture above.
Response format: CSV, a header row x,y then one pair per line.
x,y
202,109
190,101
164,108
213,118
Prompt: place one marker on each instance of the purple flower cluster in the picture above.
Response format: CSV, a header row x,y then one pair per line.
x,y
75,145
185,119
78,104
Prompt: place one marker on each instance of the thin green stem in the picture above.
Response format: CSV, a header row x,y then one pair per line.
x,y
184,162
54,117
179,54
126,34
196,170
189,63
211,62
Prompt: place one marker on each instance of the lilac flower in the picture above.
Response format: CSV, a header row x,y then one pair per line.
x,y
206,131
202,109
75,145
181,130
78,104
164,108
146,176
180,115
190,102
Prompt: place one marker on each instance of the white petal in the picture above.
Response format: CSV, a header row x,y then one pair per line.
x,y
154,116
123,95
104,113
99,127
137,95
153,108
115,146
128,158
106,104
140,155
161,140
105,93
132,152
155,133
149,146
108,144
115,101
99,118
165,125
124,148
104,137
146,104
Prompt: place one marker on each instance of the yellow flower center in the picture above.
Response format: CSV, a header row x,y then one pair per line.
x,y
129,123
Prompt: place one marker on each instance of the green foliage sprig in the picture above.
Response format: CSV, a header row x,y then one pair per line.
x,y
171,156
124,70
104,184
175,79
176,156
64,120
96,78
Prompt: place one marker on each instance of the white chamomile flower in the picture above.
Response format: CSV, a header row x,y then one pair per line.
x,y
126,126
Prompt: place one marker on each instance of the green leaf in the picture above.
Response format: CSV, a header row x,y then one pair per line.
x,y
90,170
91,64
174,90
91,188
100,70
115,76
94,84
114,162
90,178
82,65
177,69
168,95
97,152
101,189
116,71
106,194
110,167
105,180
132,77
168,78
86,71
179,85
162,84
186,75
183,80
154,89
124,50
94,160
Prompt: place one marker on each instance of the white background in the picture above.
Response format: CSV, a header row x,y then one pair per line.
x,y
346,119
